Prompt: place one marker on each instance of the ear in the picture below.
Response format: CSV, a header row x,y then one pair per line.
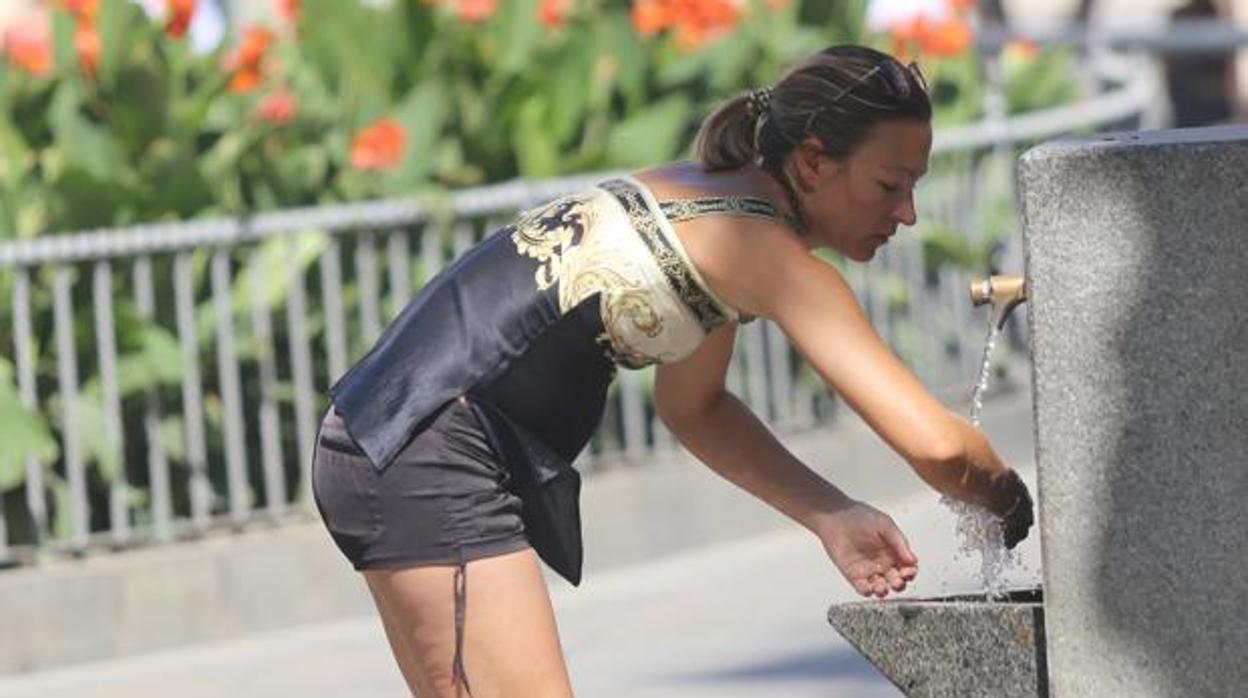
x,y
810,161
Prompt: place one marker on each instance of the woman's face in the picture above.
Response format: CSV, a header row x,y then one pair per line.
x,y
854,205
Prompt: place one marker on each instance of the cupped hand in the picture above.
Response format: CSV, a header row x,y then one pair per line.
x,y
869,549
1018,518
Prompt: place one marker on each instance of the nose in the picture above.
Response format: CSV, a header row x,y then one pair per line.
x,y
905,213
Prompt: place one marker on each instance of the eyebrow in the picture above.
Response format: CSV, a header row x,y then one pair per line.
x,y
907,170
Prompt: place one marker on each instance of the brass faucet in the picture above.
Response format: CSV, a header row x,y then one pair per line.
x,y
1003,292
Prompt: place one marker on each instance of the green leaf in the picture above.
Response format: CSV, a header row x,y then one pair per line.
x,y
266,277
423,115
182,188
565,88
22,432
97,444
537,152
140,105
158,361
16,159
63,51
730,60
81,142
651,136
79,199
516,31
172,435
113,26
624,56
676,67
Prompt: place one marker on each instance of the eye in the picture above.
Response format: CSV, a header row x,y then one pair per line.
x,y
889,188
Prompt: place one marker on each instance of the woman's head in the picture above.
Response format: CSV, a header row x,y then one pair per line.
x,y
846,132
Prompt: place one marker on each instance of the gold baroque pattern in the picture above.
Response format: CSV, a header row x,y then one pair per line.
x,y
552,234
547,232
625,301
669,260
684,209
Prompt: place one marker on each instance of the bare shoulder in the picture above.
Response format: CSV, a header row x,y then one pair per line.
x,y
744,260
736,256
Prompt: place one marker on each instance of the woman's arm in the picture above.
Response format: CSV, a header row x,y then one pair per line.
x,y
723,433
770,273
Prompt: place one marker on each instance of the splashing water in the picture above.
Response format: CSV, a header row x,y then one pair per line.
x,y
978,530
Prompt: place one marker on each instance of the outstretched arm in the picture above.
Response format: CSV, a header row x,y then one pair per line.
x,y
770,273
724,434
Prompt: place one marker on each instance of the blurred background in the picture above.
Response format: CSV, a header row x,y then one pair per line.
x,y
210,208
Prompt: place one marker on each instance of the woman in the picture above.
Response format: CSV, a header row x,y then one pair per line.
x,y
446,454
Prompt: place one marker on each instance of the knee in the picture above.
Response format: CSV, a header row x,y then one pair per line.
x,y
440,681
447,687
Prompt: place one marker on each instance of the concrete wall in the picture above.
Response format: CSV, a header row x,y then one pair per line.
x,y
1137,261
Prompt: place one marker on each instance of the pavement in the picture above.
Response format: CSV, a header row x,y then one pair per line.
x,y
744,616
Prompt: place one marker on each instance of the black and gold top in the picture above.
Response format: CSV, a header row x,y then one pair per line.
x,y
530,325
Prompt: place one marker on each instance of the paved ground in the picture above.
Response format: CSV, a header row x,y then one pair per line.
x,y
744,617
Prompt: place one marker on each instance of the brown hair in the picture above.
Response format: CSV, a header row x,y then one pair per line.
x,y
836,95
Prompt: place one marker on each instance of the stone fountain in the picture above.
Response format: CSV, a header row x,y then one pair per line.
x,y
1137,274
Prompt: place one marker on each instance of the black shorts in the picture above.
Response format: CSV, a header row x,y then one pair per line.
x,y
443,500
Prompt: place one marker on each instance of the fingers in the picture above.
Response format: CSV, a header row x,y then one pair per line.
x,y
862,586
1018,517
900,547
1018,521
885,579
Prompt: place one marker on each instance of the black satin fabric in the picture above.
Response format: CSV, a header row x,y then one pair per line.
x,y
537,378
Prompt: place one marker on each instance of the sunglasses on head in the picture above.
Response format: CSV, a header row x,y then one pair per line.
x,y
894,74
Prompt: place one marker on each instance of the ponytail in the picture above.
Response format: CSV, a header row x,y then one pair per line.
x,y
727,140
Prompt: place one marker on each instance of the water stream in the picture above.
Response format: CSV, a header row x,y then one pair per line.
x,y
978,531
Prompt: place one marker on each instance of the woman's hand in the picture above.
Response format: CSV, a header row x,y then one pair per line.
x,y
868,548
1013,507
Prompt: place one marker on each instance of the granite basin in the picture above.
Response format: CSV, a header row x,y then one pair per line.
x,y
963,645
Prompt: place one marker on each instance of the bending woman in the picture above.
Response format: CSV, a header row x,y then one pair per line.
x,y
446,454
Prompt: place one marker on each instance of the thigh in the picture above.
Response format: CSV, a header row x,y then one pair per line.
x,y
510,642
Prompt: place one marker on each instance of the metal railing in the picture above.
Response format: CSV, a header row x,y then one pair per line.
x,y
246,322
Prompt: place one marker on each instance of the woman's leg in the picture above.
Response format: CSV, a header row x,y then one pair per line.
x,y
510,642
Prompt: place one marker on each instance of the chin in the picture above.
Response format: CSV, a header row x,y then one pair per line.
x,y
862,255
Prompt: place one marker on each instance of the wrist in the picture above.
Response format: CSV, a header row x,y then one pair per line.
x,y
825,512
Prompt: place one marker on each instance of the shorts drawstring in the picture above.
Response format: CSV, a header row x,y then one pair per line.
x,y
458,674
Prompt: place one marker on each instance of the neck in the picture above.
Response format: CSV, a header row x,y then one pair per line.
x,y
790,194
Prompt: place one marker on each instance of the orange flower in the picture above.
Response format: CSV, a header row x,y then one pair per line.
x,y
252,48
476,10
29,47
911,31
247,60
702,21
652,16
180,13
378,147
87,44
961,5
552,12
951,37
278,107
289,10
694,21
82,10
244,81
